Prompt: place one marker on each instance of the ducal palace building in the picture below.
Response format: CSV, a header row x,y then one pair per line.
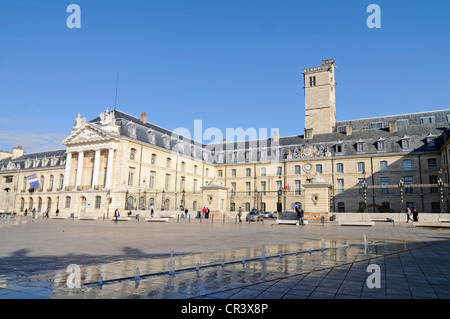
x,y
118,161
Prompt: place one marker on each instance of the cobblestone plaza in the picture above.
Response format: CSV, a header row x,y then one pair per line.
x,y
220,259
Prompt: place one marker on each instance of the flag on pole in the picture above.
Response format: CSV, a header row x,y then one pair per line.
x,y
33,181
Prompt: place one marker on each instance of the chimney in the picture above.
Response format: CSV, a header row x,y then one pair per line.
x,y
17,152
4,154
143,117
392,126
348,130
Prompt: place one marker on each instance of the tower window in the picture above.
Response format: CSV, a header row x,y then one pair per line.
x,y
312,81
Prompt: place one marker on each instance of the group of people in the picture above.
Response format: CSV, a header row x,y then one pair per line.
x,y
46,213
205,212
412,216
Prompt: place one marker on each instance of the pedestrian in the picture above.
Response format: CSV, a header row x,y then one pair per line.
x,y
46,213
57,212
203,212
151,212
26,212
207,212
240,214
116,214
408,215
416,215
300,215
186,213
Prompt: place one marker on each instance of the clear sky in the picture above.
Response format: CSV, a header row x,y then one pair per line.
x,y
229,63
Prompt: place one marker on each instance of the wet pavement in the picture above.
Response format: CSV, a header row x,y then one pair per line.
x,y
71,259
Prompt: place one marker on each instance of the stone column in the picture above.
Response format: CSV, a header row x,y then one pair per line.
x,y
109,168
79,169
67,170
96,169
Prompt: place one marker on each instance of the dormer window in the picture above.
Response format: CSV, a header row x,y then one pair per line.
x,y
381,145
431,140
151,136
131,130
339,147
376,125
406,145
360,146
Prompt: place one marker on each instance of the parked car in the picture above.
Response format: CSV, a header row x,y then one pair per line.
x,y
267,215
275,215
253,215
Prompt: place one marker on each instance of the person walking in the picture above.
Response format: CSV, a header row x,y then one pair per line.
x,y
116,214
186,213
240,214
408,215
207,212
203,212
416,215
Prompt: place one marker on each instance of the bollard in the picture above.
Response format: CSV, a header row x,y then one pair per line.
x,y
212,219
322,220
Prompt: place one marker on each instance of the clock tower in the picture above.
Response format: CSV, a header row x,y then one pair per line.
x,y
320,102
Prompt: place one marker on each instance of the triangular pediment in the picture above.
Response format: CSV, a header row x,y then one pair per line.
x,y
85,134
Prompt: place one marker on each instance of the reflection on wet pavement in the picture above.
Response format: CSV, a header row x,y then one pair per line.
x,y
196,275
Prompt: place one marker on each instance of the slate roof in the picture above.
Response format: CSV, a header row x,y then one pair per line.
x,y
19,162
338,143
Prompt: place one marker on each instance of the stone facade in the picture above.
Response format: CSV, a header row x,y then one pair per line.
x,y
119,161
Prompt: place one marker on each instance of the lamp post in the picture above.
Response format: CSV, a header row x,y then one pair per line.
x,y
401,187
441,191
364,188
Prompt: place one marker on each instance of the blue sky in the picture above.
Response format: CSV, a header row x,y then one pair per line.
x,y
229,63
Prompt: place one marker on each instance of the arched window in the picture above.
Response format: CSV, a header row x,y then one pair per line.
x,y
98,201
130,203
50,184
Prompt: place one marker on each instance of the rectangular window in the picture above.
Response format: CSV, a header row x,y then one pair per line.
x,y
297,170
404,122
376,125
153,159
427,120
248,172
383,166
263,188
360,184
407,166
340,186
263,171
312,81
319,168
278,185
195,185
167,182
68,201
384,182
151,183
298,187
361,167
432,163
279,170
131,173
340,168
233,172
408,183
433,180
98,201
219,173
233,189
247,188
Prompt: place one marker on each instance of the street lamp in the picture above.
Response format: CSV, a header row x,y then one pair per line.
x,y
364,188
401,187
